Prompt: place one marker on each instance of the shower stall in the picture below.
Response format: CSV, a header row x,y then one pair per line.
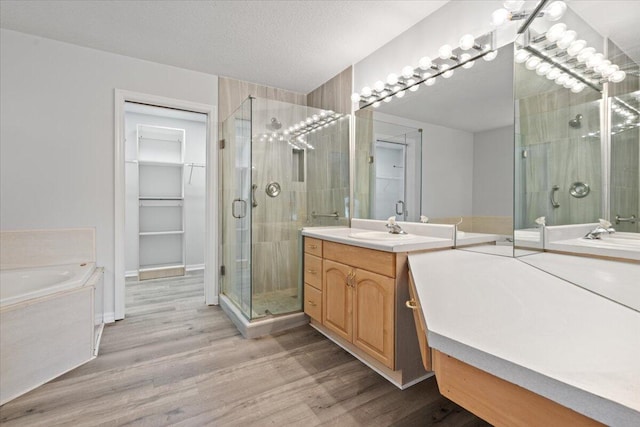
x,y
283,167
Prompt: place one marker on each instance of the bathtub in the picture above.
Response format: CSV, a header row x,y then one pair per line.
x,y
47,324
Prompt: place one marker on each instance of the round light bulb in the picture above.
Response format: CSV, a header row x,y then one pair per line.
x,y
366,91
447,72
578,88
500,17
467,42
532,63
465,57
570,83
392,79
543,69
617,76
407,72
513,5
553,74
387,99
604,65
490,56
378,86
430,81
566,40
595,60
355,97
556,31
521,56
562,79
425,63
414,88
376,104
400,94
576,47
610,70
445,51
585,54
555,10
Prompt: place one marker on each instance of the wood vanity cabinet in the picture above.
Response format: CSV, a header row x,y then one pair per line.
x,y
364,292
313,278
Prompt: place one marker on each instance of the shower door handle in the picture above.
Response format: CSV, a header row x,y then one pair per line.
x,y
243,209
553,196
401,210
254,187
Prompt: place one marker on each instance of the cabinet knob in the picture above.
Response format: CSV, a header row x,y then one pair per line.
x,y
311,271
412,304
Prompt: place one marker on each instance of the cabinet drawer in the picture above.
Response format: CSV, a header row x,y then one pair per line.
x,y
368,259
313,246
313,302
313,271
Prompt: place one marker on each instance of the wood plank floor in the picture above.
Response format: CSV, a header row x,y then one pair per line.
x,y
175,361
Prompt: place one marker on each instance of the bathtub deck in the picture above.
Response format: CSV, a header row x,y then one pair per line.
x,y
175,360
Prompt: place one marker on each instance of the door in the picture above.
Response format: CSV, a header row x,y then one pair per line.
x,y
235,167
374,315
337,298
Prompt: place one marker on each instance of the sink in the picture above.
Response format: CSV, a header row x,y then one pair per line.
x,y
381,236
616,241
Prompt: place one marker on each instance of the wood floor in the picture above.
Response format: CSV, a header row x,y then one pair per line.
x,y
175,361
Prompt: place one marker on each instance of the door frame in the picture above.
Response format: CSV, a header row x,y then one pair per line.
x,y
211,262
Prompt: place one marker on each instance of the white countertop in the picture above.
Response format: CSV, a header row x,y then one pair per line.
x,y
569,238
533,329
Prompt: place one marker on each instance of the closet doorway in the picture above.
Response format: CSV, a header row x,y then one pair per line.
x,y
164,215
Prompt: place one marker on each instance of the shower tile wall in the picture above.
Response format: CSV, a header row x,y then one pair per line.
x,y
557,153
363,171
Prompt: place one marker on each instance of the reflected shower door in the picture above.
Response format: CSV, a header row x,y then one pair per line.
x,y
390,159
235,166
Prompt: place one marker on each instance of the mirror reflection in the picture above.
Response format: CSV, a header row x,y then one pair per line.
x,y
443,153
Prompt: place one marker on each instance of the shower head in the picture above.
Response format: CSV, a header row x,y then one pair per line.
x,y
275,124
577,122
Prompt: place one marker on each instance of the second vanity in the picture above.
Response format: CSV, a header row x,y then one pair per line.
x,y
356,288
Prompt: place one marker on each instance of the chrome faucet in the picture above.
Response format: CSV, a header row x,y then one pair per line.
x,y
603,228
393,227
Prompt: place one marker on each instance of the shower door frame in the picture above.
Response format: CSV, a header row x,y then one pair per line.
x,y
211,262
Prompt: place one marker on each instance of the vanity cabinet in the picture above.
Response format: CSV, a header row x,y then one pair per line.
x,y
363,306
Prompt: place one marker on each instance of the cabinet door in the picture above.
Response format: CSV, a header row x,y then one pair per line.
x,y
374,315
421,329
337,299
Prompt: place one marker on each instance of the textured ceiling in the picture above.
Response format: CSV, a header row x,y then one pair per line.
x,y
295,45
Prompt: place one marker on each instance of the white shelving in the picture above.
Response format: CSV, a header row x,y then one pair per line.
x,y
161,201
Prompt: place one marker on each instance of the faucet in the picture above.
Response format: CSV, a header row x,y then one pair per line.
x,y
393,227
603,228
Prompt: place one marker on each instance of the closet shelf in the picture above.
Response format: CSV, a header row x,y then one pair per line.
x,y
157,163
160,198
160,233
151,267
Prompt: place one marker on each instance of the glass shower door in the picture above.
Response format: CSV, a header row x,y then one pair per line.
x,y
235,166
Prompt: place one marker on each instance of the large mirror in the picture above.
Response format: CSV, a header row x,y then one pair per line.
x,y
444,152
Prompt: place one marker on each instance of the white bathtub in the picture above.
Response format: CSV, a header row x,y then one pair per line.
x,y
47,324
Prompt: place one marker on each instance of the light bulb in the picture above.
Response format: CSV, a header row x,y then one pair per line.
x,y
430,81
543,69
532,63
556,32
410,82
414,88
448,73
595,60
366,91
383,94
387,99
392,79
617,76
464,58
576,47
585,54
610,70
553,74
604,65
355,97
566,40
400,94
513,5
500,17
425,63
521,56
445,51
578,88
376,104
407,72
490,56
555,10
378,86
562,79
467,42
571,82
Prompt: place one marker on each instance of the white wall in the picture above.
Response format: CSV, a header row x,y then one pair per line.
x,y
493,172
447,167
56,138
194,191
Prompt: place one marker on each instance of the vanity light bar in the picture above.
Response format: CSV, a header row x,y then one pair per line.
x,y
450,59
512,12
295,133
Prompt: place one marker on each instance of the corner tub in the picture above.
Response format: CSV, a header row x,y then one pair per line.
x,y
47,324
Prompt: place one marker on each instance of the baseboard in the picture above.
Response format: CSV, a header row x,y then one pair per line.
x,y
109,317
194,267
132,273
